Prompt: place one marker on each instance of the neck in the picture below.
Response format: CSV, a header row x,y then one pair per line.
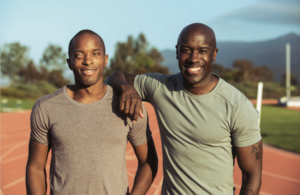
x,y
87,94
203,87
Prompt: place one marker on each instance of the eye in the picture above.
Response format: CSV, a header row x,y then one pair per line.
x,y
96,53
78,55
202,51
185,50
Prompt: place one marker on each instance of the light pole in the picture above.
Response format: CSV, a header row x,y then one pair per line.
x,y
288,71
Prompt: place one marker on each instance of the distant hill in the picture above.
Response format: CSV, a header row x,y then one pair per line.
x,y
270,53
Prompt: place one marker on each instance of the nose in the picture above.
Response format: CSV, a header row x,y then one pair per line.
x,y
88,60
195,57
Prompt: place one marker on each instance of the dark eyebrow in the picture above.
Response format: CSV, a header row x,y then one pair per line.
x,y
78,51
198,48
204,48
83,52
97,49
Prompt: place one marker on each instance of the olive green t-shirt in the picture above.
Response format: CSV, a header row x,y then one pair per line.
x,y
198,132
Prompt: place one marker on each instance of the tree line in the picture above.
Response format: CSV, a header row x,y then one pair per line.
x,y
135,55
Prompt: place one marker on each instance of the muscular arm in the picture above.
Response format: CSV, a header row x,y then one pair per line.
x,y
250,162
36,183
130,101
147,167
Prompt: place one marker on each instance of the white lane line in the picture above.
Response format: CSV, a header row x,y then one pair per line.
x,y
7,146
12,149
18,181
14,183
158,188
131,157
131,174
281,152
14,158
260,193
281,177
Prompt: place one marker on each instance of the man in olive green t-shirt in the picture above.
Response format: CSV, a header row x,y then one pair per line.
x,y
204,121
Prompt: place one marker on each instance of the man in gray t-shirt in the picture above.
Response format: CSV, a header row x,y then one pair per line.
x,y
87,132
204,122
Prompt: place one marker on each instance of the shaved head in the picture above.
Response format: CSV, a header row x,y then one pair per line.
x,y
82,32
198,28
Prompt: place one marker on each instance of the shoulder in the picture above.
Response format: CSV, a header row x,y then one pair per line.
x,y
47,98
159,78
230,94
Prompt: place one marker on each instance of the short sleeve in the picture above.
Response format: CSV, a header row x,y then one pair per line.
x,y
146,84
245,129
140,132
38,125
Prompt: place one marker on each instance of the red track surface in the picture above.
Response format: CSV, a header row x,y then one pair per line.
x,y
281,172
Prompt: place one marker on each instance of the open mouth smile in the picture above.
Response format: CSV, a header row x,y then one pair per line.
x,y
88,72
193,70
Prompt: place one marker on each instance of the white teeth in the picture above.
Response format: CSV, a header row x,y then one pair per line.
x,y
194,69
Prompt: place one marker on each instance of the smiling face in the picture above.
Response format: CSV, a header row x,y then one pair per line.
x,y
87,60
196,50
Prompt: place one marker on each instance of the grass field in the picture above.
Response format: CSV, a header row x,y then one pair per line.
x,y
26,103
280,127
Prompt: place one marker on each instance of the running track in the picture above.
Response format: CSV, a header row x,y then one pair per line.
x,y
281,172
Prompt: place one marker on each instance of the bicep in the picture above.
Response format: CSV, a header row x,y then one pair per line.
x,y
250,157
145,152
37,155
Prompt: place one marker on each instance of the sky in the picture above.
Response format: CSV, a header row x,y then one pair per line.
x,y
36,23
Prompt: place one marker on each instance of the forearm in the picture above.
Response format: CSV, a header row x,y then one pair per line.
x,y
250,184
143,179
117,80
36,183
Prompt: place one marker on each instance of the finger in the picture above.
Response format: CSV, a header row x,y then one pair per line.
x,y
122,104
136,111
131,108
141,112
127,105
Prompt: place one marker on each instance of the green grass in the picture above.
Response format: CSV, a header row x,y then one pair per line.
x,y
27,104
280,127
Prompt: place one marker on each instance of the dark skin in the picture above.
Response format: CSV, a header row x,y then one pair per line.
x,y
195,50
87,62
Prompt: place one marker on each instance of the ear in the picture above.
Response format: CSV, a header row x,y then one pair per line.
x,y
106,60
69,64
176,52
215,54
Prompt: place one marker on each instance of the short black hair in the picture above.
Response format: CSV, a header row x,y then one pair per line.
x,y
82,32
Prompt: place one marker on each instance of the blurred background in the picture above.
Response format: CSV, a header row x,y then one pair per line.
x,y
140,36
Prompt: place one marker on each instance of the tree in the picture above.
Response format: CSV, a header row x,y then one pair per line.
x,y
245,71
224,73
57,79
54,58
29,74
242,69
134,56
292,77
14,56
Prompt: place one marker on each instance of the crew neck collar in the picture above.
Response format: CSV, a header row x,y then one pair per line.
x,y
212,92
86,104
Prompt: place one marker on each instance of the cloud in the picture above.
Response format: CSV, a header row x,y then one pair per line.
x,y
266,11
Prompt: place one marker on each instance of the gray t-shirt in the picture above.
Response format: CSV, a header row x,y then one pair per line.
x,y
88,142
198,132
